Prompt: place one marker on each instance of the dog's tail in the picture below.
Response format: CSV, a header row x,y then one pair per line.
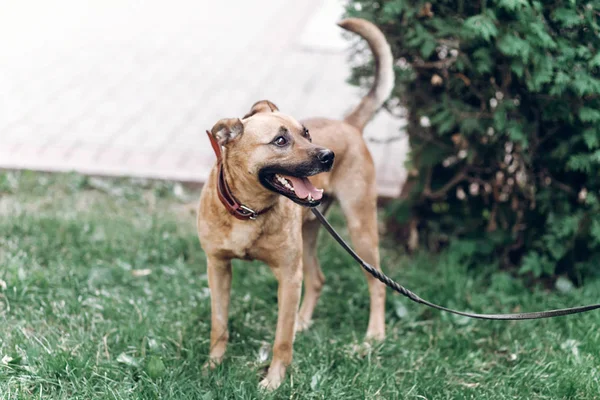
x,y
384,71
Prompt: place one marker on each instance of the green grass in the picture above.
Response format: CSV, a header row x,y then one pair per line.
x,y
103,295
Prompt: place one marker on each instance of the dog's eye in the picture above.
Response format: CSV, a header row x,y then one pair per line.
x,y
280,141
307,135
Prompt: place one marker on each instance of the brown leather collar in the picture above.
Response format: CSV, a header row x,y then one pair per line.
x,y
234,207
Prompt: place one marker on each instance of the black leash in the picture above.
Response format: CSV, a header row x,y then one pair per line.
x,y
405,292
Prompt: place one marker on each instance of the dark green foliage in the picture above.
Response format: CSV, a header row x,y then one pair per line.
x,y
504,126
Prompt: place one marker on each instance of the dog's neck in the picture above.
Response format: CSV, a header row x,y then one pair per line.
x,y
228,183
248,191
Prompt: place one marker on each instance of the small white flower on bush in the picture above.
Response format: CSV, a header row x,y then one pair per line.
x,y
425,122
474,189
521,178
499,176
442,52
582,194
436,80
402,63
449,161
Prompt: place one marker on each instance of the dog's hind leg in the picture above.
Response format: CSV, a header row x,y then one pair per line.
x,y
360,208
313,276
219,282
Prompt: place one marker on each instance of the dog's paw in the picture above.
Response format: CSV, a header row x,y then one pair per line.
x,y
361,349
274,378
302,325
375,335
210,365
269,384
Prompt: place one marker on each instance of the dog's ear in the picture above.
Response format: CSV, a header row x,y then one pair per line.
x,y
261,107
227,130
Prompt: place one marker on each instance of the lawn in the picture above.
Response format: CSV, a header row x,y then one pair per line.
x,y
103,295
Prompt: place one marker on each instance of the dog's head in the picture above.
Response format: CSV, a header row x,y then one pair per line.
x,y
275,150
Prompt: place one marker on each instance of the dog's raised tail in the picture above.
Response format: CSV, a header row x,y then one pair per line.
x,y
384,71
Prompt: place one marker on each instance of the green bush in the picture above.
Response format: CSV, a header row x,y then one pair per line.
x,y
503,100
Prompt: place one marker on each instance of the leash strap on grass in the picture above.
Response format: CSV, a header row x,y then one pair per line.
x,y
405,292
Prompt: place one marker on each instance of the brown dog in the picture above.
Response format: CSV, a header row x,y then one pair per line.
x,y
245,210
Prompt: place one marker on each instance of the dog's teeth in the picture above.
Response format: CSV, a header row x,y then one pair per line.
x,y
284,182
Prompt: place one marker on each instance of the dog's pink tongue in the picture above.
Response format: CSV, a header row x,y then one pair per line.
x,y
303,188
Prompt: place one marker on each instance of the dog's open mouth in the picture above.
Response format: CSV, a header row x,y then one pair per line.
x,y
298,189
301,187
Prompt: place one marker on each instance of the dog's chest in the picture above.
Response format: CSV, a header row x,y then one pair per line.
x,y
248,241
277,232
242,240
234,242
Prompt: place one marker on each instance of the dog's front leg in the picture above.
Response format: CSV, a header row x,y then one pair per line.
x,y
288,299
219,282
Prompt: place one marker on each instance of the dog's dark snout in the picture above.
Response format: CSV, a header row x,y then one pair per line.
x,y
326,156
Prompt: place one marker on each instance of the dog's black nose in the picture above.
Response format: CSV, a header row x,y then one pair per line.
x,y
326,156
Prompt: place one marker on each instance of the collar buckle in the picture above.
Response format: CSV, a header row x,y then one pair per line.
x,y
251,213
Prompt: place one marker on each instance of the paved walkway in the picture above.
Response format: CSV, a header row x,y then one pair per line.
x,y
116,87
